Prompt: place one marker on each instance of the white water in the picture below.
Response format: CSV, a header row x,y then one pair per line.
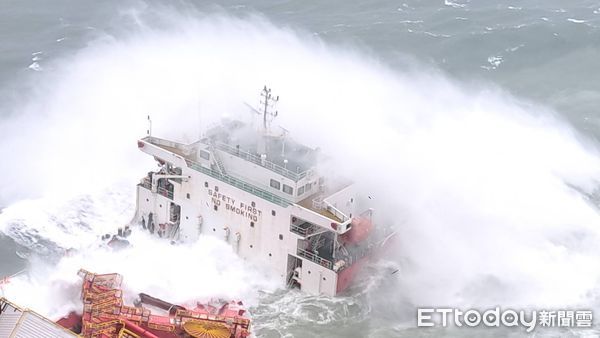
x,y
474,180
181,274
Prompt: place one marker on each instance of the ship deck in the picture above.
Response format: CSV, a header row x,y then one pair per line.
x,y
174,150
307,203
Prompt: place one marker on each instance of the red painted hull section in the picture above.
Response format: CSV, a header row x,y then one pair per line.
x,y
346,276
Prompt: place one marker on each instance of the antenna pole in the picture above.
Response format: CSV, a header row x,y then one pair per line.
x,y
268,101
267,96
149,131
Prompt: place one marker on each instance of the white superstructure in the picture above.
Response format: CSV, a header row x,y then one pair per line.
x,y
260,192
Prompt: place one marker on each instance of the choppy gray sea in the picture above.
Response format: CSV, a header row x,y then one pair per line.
x,y
539,53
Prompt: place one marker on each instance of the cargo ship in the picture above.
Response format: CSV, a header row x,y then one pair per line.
x,y
104,315
256,188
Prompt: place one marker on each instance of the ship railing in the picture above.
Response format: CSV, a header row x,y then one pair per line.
x,y
303,230
162,142
336,212
315,258
246,155
317,203
320,204
103,327
239,184
146,183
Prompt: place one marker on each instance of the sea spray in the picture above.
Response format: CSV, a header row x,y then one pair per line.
x,y
478,183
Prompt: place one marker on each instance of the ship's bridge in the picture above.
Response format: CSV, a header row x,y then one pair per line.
x,y
271,150
272,166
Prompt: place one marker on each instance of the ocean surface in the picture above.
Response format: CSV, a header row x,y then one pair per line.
x,y
475,124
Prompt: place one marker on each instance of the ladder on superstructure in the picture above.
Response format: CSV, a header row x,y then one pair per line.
x,y
217,159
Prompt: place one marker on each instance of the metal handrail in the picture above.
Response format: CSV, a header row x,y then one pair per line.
x,y
319,204
302,231
246,155
146,183
336,212
314,258
239,184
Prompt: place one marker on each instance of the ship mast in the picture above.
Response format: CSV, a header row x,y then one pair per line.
x,y
268,102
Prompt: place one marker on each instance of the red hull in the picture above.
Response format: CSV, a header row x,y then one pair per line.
x,y
346,276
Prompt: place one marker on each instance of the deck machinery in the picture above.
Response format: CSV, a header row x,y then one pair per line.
x,y
106,316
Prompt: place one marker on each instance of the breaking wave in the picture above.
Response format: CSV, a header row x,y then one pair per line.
x,y
489,194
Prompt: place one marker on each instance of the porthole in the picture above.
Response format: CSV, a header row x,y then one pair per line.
x,y
273,212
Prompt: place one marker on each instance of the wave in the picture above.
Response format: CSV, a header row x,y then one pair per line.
x,y
484,189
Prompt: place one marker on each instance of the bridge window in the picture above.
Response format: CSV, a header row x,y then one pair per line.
x,y
300,191
287,189
205,155
275,184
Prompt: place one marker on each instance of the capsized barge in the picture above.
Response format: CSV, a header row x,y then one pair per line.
x,y
106,316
